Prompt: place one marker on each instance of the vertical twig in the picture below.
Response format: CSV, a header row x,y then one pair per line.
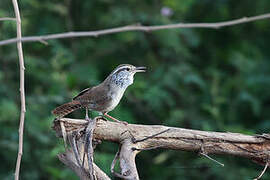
x,y
262,173
219,163
88,149
22,94
64,133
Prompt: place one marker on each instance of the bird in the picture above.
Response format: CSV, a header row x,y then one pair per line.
x,y
103,97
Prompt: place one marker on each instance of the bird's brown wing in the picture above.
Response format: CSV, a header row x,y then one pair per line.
x,y
96,98
81,93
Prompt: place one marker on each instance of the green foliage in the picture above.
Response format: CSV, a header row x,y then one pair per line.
x,y
205,79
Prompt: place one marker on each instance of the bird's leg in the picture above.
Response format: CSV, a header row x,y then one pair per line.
x,y
114,119
86,114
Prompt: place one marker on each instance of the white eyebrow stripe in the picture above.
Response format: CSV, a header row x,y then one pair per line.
x,y
120,69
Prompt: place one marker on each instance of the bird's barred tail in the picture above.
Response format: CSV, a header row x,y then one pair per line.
x,y
67,108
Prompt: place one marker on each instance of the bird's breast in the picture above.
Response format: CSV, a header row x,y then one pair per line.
x,y
115,98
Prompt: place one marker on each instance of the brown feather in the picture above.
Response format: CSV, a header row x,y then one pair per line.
x,y
95,98
67,108
81,93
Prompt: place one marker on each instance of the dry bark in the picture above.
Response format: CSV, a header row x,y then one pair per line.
x,y
133,139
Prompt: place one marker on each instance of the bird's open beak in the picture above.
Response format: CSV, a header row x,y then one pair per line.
x,y
140,69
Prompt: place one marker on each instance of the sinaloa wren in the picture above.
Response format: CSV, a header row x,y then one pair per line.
x,y
103,97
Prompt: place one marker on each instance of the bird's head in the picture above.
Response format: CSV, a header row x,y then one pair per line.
x,y
123,75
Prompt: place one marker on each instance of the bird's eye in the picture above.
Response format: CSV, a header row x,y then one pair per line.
x,y
128,69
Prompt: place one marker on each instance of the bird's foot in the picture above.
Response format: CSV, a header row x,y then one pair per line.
x,y
87,119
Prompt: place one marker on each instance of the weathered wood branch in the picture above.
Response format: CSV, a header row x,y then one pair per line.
x,y
69,160
135,138
74,156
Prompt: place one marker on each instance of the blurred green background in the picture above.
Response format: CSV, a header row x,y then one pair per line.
x,y
212,80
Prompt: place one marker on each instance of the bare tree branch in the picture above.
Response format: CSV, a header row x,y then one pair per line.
x,y
137,27
88,147
81,143
7,19
133,139
69,160
73,158
22,94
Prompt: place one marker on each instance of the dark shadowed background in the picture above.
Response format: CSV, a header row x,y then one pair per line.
x,y
212,80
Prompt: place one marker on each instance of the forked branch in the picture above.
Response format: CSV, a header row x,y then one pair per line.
x,y
69,160
74,156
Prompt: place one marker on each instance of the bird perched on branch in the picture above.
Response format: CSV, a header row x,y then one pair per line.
x,y
103,97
